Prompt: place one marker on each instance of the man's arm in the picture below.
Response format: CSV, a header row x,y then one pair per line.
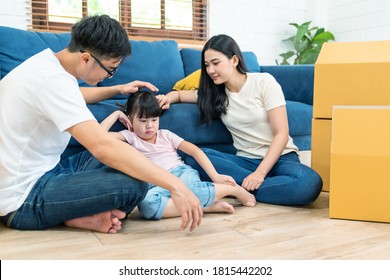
x,y
123,157
96,94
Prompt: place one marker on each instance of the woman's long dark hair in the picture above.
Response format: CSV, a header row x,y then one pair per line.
x,y
212,98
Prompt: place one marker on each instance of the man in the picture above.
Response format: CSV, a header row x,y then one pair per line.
x,y
41,107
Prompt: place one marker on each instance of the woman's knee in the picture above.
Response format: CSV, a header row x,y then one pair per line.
x,y
311,186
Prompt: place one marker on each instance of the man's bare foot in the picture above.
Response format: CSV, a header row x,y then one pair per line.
x,y
219,207
246,198
106,222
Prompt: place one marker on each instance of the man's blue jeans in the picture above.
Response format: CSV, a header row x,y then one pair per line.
x,y
77,187
289,182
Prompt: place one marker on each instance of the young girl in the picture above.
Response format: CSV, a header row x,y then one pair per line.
x,y
160,146
253,108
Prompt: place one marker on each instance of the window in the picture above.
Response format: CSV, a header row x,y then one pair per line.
x,y
182,20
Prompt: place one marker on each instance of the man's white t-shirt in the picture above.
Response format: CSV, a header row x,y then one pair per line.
x,y
247,118
39,100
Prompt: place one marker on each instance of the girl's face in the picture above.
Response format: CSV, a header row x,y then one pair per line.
x,y
218,66
146,128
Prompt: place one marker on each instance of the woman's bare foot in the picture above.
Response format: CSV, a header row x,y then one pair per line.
x,y
106,222
219,207
246,198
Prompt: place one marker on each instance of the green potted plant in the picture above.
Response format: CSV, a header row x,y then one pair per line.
x,y
307,45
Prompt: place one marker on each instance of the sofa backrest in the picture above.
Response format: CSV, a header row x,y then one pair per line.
x,y
192,60
297,81
156,62
17,45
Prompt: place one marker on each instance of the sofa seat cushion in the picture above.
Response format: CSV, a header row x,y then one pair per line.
x,y
156,62
184,120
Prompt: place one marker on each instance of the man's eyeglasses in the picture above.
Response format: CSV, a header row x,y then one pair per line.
x,y
109,72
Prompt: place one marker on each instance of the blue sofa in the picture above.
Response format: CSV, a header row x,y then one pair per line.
x,y
163,64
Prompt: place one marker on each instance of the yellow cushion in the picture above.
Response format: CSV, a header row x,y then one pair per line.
x,y
189,82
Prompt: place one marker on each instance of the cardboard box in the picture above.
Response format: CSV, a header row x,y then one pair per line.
x,y
359,166
351,73
320,149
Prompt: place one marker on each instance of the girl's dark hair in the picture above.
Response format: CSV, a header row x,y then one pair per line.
x,y
142,104
212,98
101,35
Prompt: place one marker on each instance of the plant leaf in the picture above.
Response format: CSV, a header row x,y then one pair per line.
x,y
300,45
323,37
287,55
309,56
319,30
289,39
302,30
294,24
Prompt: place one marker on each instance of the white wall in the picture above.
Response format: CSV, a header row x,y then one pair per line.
x,y
359,20
260,25
257,25
13,13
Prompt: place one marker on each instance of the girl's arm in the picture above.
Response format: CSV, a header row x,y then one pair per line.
x,y
279,125
179,96
108,122
96,94
205,163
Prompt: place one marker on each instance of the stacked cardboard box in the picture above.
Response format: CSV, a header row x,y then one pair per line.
x,y
360,160
351,73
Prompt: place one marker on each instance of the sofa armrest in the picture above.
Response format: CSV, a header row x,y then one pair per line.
x,y
297,81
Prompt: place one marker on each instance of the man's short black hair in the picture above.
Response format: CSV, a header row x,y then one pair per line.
x,y
101,35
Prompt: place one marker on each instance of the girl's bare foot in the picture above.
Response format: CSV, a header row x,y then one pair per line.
x,y
246,198
106,222
219,207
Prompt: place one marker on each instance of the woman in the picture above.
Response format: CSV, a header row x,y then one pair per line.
x,y
253,108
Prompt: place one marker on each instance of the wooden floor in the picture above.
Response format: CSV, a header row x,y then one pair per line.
x,y
264,232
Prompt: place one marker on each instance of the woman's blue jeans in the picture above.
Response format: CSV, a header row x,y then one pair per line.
x,y
289,182
78,186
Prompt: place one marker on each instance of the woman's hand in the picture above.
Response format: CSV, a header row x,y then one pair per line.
x,y
135,86
164,101
253,181
177,96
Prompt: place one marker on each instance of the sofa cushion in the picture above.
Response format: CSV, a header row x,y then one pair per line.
x,y
297,81
189,83
214,135
156,62
192,60
299,122
17,45
184,120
